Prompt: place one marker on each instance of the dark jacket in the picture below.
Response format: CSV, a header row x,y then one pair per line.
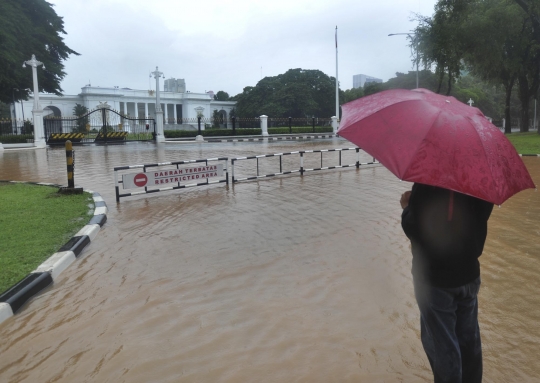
x,y
447,232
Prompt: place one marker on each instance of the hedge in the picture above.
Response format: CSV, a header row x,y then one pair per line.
x,y
16,139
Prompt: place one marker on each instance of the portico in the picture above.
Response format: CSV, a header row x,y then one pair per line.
x,y
178,108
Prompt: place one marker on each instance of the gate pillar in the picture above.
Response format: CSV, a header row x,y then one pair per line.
x,y
264,125
160,135
335,124
39,132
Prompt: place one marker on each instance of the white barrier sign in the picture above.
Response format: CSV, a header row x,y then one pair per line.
x,y
172,176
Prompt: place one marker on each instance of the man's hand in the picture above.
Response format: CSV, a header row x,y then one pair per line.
x,y
405,199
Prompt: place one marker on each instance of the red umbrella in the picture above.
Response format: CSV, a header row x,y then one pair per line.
x,y
424,137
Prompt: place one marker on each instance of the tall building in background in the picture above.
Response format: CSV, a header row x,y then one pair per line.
x,y
174,85
359,80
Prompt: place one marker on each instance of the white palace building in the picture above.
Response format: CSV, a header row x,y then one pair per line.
x,y
177,104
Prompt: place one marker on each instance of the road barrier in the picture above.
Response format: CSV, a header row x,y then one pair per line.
x,y
169,173
300,170
176,176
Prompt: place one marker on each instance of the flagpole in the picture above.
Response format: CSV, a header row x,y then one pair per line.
x,y
337,82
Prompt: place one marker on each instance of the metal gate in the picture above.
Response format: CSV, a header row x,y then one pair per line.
x,y
101,125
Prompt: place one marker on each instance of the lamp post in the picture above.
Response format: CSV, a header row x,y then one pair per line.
x,y
416,46
160,137
37,112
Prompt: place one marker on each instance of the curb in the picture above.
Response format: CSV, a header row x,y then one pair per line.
x,y
12,300
272,138
529,155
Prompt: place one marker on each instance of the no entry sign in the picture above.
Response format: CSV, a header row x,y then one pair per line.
x,y
140,180
170,177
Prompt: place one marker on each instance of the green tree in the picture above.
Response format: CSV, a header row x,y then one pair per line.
x,y
30,27
495,45
295,93
439,40
81,112
4,111
373,87
350,95
221,96
217,119
529,75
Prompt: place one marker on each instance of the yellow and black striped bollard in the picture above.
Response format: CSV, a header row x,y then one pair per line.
x,y
69,161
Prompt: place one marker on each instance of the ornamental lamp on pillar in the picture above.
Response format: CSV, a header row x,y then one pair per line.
x,y
37,112
160,137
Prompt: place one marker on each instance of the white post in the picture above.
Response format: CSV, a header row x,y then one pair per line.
x,y
160,136
174,112
335,125
337,82
264,125
37,112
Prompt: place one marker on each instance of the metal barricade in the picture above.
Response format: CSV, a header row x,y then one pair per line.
x,y
171,174
302,169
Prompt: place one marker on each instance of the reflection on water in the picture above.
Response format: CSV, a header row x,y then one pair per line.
x,y
286,279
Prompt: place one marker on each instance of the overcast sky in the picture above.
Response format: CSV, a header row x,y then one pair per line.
x,y
228,45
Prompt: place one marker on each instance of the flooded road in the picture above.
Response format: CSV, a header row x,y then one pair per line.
x,y
288,279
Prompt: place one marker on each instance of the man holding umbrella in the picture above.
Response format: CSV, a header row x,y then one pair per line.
x,y
447,232
460,165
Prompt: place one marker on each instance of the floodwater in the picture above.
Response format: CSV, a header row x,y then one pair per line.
x,y
286,279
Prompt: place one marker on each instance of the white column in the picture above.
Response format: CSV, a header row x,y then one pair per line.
x,y
166,113
174,113
136,109
335,124
146,110
264,125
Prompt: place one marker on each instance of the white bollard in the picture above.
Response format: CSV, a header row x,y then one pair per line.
x,y
335,124
264,125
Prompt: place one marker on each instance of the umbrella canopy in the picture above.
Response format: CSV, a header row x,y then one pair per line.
x,y
424,137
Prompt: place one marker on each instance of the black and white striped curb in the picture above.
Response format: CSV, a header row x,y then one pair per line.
x,y
13,299
270,138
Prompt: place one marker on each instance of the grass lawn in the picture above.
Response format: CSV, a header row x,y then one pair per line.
x,y
525,143
35,221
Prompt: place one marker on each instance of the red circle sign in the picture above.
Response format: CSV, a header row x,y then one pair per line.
x,y
140,180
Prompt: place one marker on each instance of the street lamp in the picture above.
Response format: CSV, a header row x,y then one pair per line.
x,y
37,112
416,46
159,113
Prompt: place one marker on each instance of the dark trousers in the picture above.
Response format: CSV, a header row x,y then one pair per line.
x,y
450,332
